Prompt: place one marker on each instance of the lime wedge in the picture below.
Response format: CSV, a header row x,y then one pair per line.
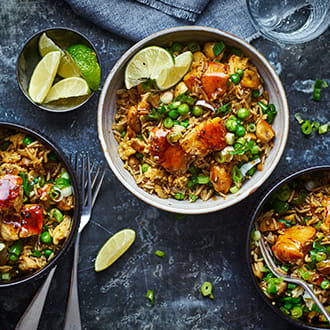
x,y
67,67
86,60
147,64
43,76
170,76
68,87
113,248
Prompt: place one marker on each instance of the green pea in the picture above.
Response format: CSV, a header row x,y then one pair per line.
x,y
48,253
173,114
231,125
145,167
183,109
179,196
235,78
46,238
240,72
168,122
28,140
197,110
240,130
243,113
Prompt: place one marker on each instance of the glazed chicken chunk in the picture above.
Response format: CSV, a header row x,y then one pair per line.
x,y
11,193
170,156
206,137
292,245
15,226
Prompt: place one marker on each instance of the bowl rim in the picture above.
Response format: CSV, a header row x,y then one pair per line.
x,y
76,219
254,213
21,51
137,191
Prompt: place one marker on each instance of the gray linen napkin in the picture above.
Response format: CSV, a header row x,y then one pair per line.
x,y
134,20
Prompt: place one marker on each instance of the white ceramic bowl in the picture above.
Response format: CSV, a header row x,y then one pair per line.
x,y
107,109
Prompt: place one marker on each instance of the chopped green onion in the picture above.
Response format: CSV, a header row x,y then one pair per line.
x,y
48,253
323,128
202,179
218,48
285,268
150,296
297,312
145,167
316,125
5,276
56,214
306,127
52,156
139,156
230,138
35,253
263,107
298,117
176,47
305,275
192,197
225,109
193,47
235,51
237,175
123,133
234,189
159,253
184,123
280,207
251,127
317,89
292,286
179,196
255,93
206,289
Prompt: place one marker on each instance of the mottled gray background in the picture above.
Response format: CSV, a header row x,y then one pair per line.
x,y
198,248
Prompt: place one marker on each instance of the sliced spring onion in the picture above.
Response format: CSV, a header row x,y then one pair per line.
x,y
67,191
218,48
166,97
317,89
150,295
159,253
247,166
298,117
206,289
324,128
234,189
56,194
202,179
306,127
204,104
230,138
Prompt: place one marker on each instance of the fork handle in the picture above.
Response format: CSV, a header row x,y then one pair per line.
x,y
31,317
72,316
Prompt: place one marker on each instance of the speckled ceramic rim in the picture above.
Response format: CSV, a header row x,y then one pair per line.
x,y
20,53
255,214
76,219
219,204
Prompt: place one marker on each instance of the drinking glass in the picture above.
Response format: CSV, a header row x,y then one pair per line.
x,y
290,21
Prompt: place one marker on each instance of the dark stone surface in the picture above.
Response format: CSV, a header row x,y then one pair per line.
x,y
198,248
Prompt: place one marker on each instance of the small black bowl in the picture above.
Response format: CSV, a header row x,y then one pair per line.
x,y
254,217
76,217
29,57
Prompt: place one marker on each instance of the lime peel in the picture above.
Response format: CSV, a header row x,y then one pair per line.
x,y
113,248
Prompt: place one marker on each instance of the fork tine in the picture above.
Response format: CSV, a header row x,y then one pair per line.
x,y
94,178
76,163
91,170
89,187
83,178
98,187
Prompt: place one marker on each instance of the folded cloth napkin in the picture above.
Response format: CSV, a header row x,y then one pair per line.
x,y
184,9
136,19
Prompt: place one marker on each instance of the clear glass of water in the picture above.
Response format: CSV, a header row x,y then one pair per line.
x,y
290,21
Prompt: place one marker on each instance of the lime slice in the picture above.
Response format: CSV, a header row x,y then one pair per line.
x,y
68,87
147,64
86,60
43,76
169,77
67,67
113,248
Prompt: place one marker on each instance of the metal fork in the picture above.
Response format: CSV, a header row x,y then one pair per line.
x,y
72,319
268,257
31,317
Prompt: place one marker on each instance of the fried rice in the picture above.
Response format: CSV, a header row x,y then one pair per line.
x,y
296,224
152,152
36,205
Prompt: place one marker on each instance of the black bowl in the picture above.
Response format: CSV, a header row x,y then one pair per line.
x,y
76,217
29,57
254,216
